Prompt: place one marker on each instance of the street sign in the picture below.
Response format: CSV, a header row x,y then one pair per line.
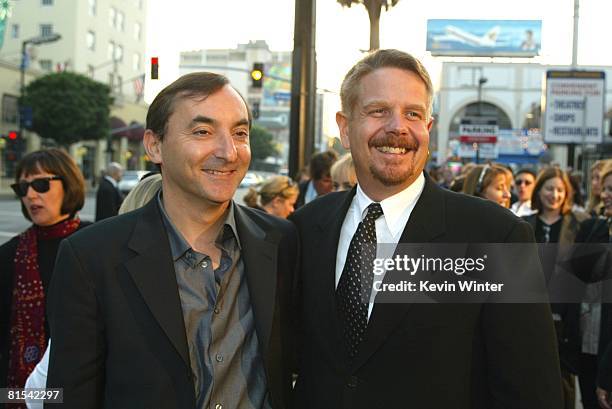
x,y
478,139
25,116
478,133
481,137
575,106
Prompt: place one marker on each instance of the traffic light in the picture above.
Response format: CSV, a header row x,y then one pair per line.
x,y
154,68
14,149
255,110
257,75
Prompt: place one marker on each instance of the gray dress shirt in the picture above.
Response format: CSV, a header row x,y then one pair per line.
x,y
224,351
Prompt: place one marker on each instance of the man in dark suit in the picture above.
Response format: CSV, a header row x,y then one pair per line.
x,y
320,182
359,354
184,302
109,197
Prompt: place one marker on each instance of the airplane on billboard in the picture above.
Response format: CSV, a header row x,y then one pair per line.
x,y
452,33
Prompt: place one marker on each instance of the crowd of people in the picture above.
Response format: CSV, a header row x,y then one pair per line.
x,y
188,299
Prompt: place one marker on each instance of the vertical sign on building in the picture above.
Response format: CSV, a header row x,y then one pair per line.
x,y
574,107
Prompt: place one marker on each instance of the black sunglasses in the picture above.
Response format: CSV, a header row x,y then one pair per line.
x,y
523,182
40,185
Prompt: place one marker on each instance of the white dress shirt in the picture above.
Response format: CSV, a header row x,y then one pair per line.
x,y
389,227
38,378
112,181
311,193
522,208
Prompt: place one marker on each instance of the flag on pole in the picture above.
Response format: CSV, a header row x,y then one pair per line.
x,y
139,86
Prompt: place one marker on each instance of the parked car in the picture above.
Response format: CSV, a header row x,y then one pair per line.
x,y
130,179
251,179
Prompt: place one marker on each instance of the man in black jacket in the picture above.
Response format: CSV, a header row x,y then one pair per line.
x,y
184,302
109,197
357,354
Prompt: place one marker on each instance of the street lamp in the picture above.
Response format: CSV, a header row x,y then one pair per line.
x,y
481,82
34,41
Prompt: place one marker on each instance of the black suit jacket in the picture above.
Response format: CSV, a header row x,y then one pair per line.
x,y
116,319
303,188
108,200
460,356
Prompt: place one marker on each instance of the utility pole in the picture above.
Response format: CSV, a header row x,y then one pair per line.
x,y
571,147
303,86
22,68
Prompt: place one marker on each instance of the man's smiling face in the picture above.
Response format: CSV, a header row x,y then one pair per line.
x,y
205,151
387,131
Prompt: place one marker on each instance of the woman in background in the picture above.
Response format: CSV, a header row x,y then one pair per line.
x,y
276,195
555,222
594,204
51,189
490,182
343,173
592,263
143,192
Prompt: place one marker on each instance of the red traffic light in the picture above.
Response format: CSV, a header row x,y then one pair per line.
x,y
154,68
12,135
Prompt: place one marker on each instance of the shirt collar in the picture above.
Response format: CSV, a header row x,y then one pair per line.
x,y
394,206
178,245
311,192
110,179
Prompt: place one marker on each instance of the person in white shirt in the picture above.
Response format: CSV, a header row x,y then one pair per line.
x,y
357,351
524,181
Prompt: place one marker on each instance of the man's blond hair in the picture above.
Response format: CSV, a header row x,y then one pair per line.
x,y
390,58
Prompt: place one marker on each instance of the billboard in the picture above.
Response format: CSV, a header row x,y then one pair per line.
x,y
277,85
484,38
574,106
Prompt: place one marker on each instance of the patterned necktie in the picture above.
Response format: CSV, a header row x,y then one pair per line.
x,y
355,283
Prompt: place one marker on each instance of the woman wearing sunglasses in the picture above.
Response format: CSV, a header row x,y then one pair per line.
x,y
52,190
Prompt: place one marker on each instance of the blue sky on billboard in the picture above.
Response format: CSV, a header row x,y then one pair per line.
x,y
512,38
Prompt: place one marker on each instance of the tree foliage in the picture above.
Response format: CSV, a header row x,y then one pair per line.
x,y
262,143
374,8
68,107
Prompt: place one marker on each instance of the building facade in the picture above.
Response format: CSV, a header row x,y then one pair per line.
x,y
103,39
272,101
509,93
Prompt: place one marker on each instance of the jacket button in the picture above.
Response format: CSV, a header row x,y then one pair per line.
x,y
352,382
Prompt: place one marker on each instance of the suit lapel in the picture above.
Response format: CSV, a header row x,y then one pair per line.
x,y
153,273
427,221
259,250
324,267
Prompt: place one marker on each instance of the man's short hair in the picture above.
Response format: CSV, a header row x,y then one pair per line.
x,y
349,92
194,85
113,168
525,170
321,163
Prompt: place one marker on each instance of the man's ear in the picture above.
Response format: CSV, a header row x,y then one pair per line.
x,y
343,125
153,146
430,124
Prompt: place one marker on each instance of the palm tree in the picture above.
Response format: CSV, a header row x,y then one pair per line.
x,y
374,8
5,13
